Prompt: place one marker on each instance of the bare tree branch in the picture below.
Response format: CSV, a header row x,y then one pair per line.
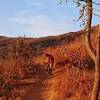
x,y
96,3
60,2
96,14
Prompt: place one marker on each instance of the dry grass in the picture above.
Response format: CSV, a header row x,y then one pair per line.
x,y
71,80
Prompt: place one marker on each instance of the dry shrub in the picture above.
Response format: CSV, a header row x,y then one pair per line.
x,y
79,84
13,67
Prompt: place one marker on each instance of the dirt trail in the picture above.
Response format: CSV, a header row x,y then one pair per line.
x,y
49,88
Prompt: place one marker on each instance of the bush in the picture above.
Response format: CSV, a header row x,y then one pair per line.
x,y
1,79
1,94
9,87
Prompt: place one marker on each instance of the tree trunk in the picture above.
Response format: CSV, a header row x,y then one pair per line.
x,y
95,57
88,30
95,91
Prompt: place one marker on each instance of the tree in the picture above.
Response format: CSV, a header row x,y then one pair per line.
x,y
86,13
95,57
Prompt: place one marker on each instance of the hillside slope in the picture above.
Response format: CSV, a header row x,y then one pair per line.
x,y
73,69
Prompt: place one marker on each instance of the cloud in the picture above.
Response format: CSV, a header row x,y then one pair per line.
x,y
32,2
45,26
41,24
40,2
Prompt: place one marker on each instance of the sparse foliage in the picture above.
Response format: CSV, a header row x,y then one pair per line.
x,y
18,58
86,13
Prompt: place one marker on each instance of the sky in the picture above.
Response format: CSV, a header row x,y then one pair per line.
x,y
38,18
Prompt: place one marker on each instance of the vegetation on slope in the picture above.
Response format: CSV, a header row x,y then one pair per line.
x,y
24,58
